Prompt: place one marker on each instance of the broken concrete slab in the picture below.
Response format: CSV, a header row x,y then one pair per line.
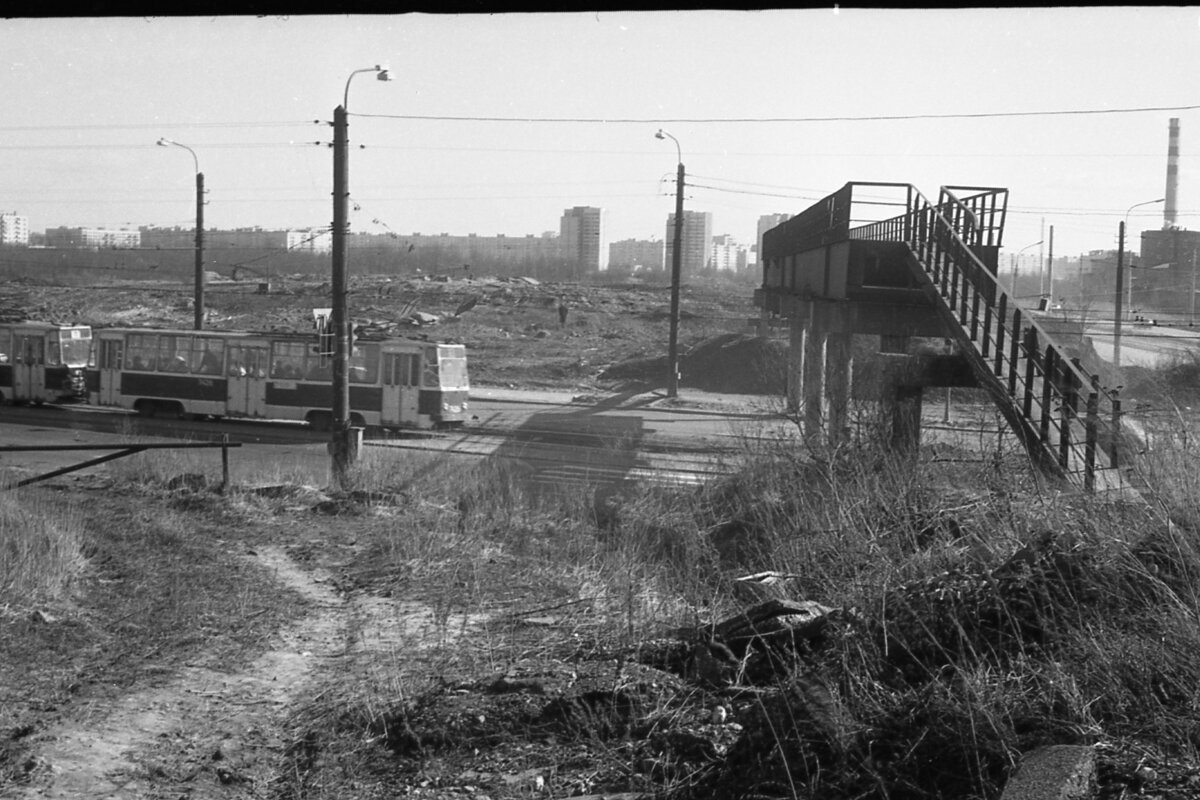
x,y
1057,772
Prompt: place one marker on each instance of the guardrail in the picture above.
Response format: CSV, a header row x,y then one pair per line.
x,y
124,448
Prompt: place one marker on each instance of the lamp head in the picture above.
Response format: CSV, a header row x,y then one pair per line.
x,y
660,134
382,73
164,142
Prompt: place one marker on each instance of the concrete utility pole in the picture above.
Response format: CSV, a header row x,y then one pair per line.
x,y
342,445
676,269
198,301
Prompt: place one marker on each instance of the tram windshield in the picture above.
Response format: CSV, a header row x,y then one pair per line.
x,y
452,362
69,346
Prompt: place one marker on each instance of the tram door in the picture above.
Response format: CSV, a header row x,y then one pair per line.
x,y
401,388
247,381
29,369
112,359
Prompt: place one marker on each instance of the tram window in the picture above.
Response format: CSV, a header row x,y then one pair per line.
x,y
287,360
247,362
173,353
430,376
403,369
364,365
319,369
142,349
453,371
5,346
53,353
207,355
110,354
76,346
33,349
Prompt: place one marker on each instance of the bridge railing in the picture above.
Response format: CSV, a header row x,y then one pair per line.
x,y
1064,414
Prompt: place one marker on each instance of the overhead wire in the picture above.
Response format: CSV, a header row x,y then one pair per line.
x,y
743,120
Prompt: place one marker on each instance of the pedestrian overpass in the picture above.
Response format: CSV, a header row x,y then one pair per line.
x,y
841,268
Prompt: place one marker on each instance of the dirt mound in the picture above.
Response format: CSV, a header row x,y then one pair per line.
x,y
733,362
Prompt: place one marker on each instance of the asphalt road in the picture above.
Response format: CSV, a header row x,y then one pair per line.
x,y
547,440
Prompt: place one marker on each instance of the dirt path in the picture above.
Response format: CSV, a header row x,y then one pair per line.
x,y
206,733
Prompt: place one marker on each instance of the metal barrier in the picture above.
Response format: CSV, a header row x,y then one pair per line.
x,y
126,449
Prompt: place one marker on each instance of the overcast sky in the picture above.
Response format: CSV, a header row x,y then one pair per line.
x,y
748,95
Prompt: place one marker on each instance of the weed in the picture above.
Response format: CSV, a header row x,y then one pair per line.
x,y
41,548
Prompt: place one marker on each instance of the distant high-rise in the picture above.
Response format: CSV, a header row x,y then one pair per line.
x,y
14,229
727,254
581,236
766,222
696,237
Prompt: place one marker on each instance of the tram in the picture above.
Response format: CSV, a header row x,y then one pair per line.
x,y
43,363
394,383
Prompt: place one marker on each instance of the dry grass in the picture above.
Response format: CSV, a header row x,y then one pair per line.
x,y
41,541
978,618
982,622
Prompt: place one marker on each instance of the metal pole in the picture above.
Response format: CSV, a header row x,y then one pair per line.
x,y
676,263
225,463
1042,261
1193,315
1120,280
1050,269
198,302
339,445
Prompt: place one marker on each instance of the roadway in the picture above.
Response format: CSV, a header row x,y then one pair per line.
x,y
1144,344
548,438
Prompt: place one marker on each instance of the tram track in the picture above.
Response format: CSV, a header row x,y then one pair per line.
x,y
542,455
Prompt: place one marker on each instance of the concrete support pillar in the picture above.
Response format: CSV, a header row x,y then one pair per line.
x,y
904,412
839,354
795,365
813,387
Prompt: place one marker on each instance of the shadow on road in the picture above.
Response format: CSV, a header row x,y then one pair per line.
x,y
581,447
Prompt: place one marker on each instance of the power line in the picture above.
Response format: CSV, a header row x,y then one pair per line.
x,y
94,146
737,120
155,126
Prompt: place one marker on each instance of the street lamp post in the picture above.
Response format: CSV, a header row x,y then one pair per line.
x,y
676,265
341,450
1016,260
198,301
1117,312
1129,283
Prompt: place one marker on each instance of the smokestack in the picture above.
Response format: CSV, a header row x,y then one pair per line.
x,y
1172,174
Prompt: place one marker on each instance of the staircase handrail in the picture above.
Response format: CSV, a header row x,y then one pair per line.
x,y
1049,381
912,215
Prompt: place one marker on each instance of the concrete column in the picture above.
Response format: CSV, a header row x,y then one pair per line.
x,y
795,364
905,414
813,388
839,354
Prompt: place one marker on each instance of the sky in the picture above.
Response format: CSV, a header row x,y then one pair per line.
x,y
496,123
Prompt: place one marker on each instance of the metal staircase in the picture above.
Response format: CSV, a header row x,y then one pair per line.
x,y
1069,425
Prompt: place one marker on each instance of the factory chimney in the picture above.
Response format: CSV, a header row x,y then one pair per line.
x,y
1172,174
